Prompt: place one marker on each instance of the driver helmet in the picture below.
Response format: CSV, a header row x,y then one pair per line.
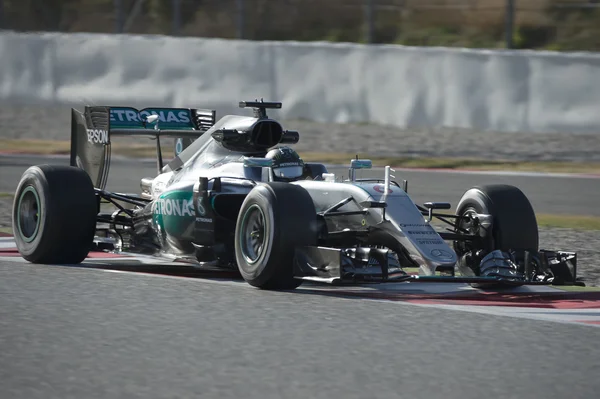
x,y
287,164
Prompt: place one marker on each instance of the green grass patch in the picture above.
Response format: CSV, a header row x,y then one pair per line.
x,y
569,221
42,147
57,147
52,147
544,220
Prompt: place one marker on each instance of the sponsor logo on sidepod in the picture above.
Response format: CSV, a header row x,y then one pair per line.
x,y
173,212
173,207
201,209
202,212
97,136
176,211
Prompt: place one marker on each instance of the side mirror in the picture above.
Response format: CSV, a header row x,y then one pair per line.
x,y
361,164
358,164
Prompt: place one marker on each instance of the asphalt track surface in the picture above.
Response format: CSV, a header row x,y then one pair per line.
x,y
71,332
549,194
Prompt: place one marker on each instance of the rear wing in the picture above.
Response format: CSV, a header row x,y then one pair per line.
x,y
92,129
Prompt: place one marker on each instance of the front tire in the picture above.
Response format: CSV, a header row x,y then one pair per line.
x,y
274,219
514,225
514,222
54,214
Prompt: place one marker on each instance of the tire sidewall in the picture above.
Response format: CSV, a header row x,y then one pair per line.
x,y
68,210
34,178
257,271
514,223
291,220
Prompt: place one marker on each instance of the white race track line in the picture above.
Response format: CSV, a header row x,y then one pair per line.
x,y
569,316
7,242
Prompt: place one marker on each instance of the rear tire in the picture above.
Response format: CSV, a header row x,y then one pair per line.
x,y
54,214
274,219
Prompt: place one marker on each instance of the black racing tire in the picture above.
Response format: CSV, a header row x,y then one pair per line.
x,y
274,219
514,222
54,214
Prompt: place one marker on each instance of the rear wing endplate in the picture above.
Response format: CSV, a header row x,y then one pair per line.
x,y
92,129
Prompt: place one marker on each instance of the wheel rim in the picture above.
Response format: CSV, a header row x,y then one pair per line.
x,y
465,224
253,234
29,214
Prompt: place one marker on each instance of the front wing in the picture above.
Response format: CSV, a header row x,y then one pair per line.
x,y
369,265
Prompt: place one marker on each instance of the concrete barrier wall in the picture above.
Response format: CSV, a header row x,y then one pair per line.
x,y
405,87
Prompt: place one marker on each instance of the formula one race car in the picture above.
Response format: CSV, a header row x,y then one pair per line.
x,y
236,196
